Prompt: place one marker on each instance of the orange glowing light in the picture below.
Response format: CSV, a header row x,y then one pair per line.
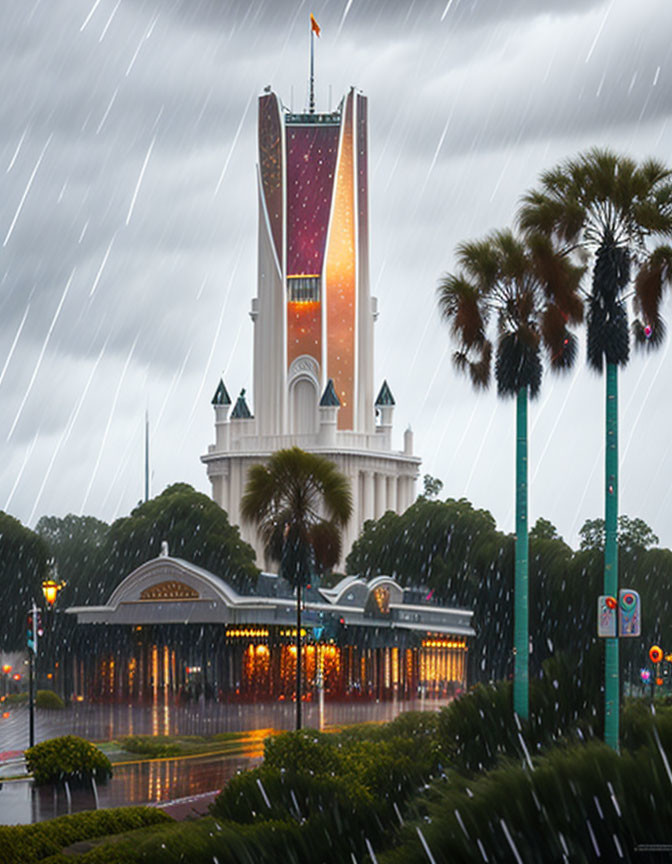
x,y
304,330
341,278
50,589
6,668
16,676
5,715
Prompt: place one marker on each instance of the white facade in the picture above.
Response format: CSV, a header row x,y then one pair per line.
x,y
313,318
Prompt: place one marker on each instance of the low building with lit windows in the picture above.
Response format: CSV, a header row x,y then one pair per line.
x,y
175,629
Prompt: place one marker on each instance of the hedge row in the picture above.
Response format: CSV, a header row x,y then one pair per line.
x,y
25,844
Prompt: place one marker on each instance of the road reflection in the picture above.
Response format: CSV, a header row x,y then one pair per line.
x,y
164,780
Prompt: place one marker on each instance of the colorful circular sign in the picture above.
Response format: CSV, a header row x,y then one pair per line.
x,y
655,654
628,601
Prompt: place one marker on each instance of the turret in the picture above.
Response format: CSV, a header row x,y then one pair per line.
x,y
329,405
385,409
221,402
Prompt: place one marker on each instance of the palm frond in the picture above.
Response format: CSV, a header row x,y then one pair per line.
x,y
460,304
649,335
653,276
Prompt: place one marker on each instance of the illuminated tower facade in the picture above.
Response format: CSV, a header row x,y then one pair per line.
x,y
313,317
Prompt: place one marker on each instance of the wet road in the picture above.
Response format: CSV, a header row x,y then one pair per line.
x,y
146,783
106,722
168,779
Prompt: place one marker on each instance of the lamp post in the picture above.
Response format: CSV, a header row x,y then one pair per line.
x,y
50,589
6,672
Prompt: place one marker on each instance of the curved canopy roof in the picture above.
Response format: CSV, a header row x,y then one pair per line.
x,y
169,590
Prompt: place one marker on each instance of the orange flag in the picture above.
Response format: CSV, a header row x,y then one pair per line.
x,y
314,26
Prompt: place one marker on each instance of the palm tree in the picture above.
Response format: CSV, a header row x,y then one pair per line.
x,y
606,206
299,503
532,295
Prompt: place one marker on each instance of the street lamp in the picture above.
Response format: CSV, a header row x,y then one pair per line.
x,y
50,589
6,670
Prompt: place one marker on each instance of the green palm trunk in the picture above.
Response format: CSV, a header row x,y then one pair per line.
x,y
520,618
611,683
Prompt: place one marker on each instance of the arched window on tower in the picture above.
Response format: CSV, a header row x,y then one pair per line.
x,y
303,407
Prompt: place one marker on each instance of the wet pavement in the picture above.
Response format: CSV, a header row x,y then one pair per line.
x,y
183,781
105,722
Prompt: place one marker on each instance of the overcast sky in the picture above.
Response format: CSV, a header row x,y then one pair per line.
x,y
128,228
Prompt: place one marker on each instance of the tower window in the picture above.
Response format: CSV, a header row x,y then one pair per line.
x,y
303,289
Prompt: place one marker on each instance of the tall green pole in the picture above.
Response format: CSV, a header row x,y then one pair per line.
x,y
520,617
611,683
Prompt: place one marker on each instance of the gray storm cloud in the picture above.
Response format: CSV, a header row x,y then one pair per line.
x,y
127,166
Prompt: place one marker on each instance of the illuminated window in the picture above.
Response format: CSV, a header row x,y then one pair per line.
x,y
303,289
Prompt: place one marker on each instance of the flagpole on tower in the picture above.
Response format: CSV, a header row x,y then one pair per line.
x,y
311,102
314,30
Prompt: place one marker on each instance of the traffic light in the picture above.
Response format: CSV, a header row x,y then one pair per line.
x,y
31,633
40,625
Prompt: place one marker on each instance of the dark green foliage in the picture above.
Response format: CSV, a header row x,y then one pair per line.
x,y
633,534
342,786
23,566
478,729
518,365
544,530
207,840
67,758
48,700
25,844
196,529
149,745
431,486
270,794
457,552
607,318
575,801
299,502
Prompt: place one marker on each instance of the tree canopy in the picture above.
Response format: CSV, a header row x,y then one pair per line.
x,y
23,565
299,502
195,528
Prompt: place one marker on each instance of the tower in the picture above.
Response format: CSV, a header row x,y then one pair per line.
x,y
313,318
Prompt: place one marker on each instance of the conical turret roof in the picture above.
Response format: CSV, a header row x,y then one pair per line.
x,y
240,409
385,396
221,396
329,398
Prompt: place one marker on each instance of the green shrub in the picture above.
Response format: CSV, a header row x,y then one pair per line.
x,y
306,750
576,801
269,794
48,700
479,728
25,844
149,745
202,842
16,699
67,758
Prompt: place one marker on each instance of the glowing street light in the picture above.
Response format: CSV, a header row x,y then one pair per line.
x,y
50,589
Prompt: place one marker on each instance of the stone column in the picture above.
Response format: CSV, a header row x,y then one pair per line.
x,y
368,507
392,493
381,496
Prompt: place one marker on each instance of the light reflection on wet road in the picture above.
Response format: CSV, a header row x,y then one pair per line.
x,y
169,779
106,722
